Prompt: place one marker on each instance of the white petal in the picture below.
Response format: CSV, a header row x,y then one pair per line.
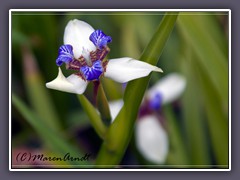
x,y
115,107
126,69
79,84
77,34
72,84
151,139
170,86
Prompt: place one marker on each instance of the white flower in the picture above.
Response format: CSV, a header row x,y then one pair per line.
x,y
170,87
84,51
151,138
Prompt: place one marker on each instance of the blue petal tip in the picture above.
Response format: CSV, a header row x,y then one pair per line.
x,y
100,39
94,72
65,54
156,102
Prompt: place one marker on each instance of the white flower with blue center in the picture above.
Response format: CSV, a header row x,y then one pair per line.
x,y
84,51
150,136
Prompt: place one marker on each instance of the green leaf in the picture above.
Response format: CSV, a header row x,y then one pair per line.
x,y
130,45
120,131
216,118
94,117
209,73
37,92
178,154
194,122
103,106
53,139
197,30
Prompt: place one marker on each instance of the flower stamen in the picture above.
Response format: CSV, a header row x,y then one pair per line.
x,y
73,65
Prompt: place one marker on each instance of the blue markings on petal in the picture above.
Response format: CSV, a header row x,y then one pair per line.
x,y
100,39
65,54
93,72
156,102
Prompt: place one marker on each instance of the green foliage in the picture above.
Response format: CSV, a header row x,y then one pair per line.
x,y
53,140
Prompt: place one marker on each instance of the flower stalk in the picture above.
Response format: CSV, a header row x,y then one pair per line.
x,y
94,118
102,105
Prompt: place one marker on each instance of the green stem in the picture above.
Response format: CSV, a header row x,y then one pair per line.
x,y
102,105
119,133
94,118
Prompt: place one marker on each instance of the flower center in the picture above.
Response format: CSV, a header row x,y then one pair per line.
x,y
92,72
156,102
87,57
91,64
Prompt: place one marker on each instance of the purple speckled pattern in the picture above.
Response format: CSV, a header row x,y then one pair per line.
x,y
93,72
100,39
65,54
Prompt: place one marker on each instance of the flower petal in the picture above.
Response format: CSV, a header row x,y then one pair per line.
x,y
93,72
170,87
151,139
156,101
72,84
79,84
126,69
77,34
100,39
65,54
115,107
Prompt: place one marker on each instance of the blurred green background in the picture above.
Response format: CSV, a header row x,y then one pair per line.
x,y
53,122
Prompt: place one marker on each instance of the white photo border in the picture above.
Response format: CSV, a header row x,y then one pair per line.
x,y
116,10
